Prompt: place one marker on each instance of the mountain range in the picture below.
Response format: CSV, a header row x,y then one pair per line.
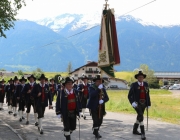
x,y
49,44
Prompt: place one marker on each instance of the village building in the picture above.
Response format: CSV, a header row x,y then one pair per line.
x,y
91,70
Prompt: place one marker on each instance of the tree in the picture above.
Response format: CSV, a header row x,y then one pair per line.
x,y
69,68
8,11
150,73
2,69
161,83
37,73
20,73
150,78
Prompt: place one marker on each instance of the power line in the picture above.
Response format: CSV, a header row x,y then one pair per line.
x,y
83,31
119,16
139,7
99,24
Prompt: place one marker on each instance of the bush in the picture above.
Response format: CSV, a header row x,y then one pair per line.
x,y
154,85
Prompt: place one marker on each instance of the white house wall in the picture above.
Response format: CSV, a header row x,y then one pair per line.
x,y
120,84
82,70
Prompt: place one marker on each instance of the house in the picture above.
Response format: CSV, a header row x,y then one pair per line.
x,y
7,74
168,77
91,70
121,84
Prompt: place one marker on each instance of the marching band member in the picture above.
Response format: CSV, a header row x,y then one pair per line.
x,y
140,100
68,107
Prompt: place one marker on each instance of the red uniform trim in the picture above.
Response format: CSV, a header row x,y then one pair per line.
x,y
85,90
43,95
71,102
3,91
142,92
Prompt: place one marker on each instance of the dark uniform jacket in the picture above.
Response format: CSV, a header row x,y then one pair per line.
x,y
4,88
29,96
134,93
2,92
94,92
80,87
55,88
7,90
75,86
20,92
62,103
38,89
12,90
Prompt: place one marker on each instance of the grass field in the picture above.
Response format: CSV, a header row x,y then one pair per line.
x,y
124,75
164,107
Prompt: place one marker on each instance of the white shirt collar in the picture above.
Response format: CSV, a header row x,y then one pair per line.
x,y
71,92
32,83
142,84
84,84
42,85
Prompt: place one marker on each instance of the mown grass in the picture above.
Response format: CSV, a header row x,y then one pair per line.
x,y
124,75
164,107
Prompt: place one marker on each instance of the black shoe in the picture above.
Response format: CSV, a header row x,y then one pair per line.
x,y
20,120
84,117
15,114
27,122
143,137
36,124
0,108
98,135
68,137
41,131
23,118
11,112
135,131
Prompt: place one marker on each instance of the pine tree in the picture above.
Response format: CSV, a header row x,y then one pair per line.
x,y
69,68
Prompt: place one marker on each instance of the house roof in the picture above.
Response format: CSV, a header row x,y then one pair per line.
x,y
91,64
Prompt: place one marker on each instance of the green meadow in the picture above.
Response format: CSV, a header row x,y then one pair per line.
x,y
163,105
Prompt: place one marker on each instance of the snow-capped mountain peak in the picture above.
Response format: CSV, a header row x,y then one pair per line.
x,y
75,22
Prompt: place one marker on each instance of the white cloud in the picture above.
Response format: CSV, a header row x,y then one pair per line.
x,y
162,12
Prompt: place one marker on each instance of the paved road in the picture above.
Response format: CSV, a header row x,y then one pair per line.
x,y
116,126
7,133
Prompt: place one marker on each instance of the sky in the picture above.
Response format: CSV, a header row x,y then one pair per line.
x,y
161,12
